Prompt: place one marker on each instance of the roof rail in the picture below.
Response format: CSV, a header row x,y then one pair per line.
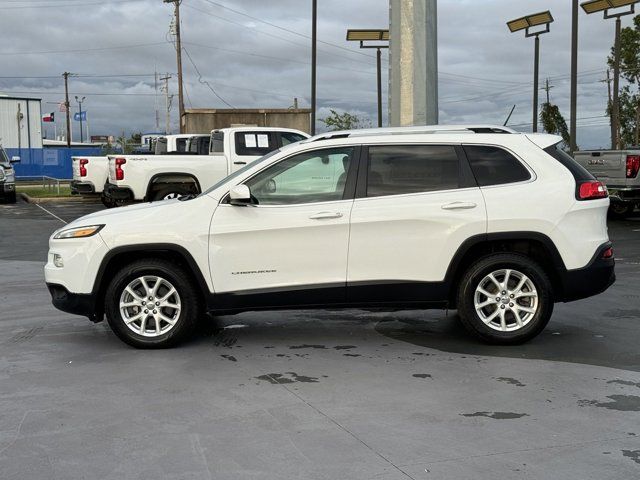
x,y
427,129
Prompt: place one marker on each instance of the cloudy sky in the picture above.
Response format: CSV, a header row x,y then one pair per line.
x,y
256,53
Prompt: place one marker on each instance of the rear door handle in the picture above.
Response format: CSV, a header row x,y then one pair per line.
x,y
325,215
459,206
239,163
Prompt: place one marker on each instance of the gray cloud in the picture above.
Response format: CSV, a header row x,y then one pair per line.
x,y
252,64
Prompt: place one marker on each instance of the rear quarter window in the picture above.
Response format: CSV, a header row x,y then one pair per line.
x,y
495,166
580,173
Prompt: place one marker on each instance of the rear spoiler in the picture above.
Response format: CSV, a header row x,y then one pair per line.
x,y
544,140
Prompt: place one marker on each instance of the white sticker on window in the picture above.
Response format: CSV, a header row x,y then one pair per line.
x,y
263,141
250,141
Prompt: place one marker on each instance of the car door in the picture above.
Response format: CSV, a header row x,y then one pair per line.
x,y
415,206
289,247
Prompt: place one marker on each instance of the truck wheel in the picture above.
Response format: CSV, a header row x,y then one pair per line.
x,y
505,299
167,193
152,303
620,209
11,197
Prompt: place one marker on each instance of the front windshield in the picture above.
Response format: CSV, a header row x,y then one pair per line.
x,y
237,173
3,156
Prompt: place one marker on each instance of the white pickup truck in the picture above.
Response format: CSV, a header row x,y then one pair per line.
x,y
619,171
159,177
90,174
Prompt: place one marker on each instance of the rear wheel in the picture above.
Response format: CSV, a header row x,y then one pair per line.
x,y
620,209
505,299
152,303
11,197
169,192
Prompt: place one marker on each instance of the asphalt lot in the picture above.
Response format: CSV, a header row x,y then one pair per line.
x,y
314,395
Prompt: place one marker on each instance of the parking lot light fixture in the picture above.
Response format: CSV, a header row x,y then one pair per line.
x,y
532,25
372,35
605,6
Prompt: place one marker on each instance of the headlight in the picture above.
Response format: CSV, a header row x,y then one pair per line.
x,y
1,173
79,232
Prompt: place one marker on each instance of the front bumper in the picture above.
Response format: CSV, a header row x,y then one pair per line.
x,y
80,188
74,303
7,187
113,192
595,278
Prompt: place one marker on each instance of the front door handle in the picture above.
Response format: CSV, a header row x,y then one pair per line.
x,y
459,206
325,215
239,163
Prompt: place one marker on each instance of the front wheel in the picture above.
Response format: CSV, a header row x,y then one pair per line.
x,y
152,303
505,299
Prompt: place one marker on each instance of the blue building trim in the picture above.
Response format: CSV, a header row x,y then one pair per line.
x,y
51,162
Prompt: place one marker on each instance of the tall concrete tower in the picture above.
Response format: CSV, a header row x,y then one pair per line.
x,y
413,62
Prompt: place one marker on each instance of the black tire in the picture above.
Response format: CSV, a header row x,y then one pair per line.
x,y
162,193
11,197
620,210
107,202
479,271
183,283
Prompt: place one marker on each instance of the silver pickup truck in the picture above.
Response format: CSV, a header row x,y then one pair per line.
x,y
618,170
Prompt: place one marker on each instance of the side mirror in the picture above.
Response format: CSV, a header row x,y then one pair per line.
x,y
240,195
15,159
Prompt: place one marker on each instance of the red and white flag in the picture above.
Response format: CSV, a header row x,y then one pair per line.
x,y
49,117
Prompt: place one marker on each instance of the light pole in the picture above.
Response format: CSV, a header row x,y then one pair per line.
x,y
526,23
573,143
80,100
594,6
374,36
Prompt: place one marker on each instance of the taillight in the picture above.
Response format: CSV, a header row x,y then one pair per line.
x,y
119,170
633,165
83,169
608,253
592,190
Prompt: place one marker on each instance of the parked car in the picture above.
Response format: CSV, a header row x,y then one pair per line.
x,y
162,177
89,175
7,177
497,225
618,170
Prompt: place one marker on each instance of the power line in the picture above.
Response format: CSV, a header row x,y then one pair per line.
x,y
84,50
279,27
205,82
58,5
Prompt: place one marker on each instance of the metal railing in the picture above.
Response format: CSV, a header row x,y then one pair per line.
x,y
50,184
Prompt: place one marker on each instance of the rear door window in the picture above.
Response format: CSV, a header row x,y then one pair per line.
x,y
495,166
255,144
403,169
217,142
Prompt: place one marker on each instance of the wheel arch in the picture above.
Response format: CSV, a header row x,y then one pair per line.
x,y
174,177
534,245
121,256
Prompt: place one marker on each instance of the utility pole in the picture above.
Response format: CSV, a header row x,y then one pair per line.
x,y
610,104
165,88
547,87
615,129
176,14
314,61
67,106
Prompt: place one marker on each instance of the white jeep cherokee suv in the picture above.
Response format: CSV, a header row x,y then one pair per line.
x,y
496,224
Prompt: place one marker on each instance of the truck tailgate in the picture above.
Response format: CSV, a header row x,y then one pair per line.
x,y
76,167
604,166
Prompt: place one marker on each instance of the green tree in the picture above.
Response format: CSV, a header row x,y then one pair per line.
x,y
553,121
344,121
630,71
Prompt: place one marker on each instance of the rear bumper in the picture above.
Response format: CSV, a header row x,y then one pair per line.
x,y
591,280
623,193
75,303
113,192
82,188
